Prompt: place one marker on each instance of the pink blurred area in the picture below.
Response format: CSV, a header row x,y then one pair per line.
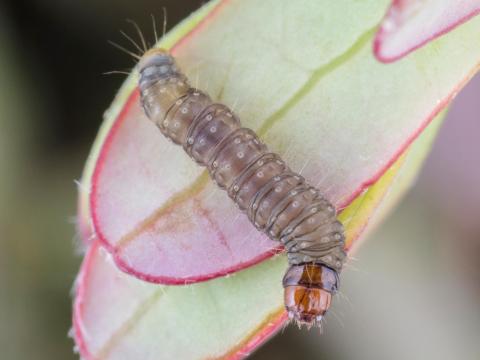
x,y
412,291
451,176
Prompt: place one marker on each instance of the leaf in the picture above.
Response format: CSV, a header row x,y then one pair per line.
x,y
315,94
118,316
410,24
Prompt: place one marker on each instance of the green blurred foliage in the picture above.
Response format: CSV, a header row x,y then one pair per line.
x,y
37,264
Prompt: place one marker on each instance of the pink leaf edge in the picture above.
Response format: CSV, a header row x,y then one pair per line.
x,y
268,251
409,25
82,294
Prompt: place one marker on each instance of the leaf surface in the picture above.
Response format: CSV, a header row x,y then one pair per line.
x,y
316,95
119,317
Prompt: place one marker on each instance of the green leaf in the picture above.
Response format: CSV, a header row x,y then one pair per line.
x,y
118,316
303,75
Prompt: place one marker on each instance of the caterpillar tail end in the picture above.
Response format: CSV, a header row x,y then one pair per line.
x,y
153,57
308,290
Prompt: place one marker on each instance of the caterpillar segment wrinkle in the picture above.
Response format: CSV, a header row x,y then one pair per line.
x,y
277,200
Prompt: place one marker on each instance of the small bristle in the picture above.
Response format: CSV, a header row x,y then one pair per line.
x,y
121,48
140,34
314,322
131,40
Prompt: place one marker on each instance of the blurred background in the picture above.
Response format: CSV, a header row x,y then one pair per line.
x,y
412,292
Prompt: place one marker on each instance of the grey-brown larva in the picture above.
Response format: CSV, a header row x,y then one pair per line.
x,y
277,200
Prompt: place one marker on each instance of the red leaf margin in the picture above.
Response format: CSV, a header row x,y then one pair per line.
x,y
257,337
381,33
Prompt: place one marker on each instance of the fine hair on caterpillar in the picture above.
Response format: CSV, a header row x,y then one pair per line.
x,y
277,200
141,47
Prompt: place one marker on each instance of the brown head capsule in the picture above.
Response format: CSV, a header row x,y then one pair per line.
x,y
277,200
308,292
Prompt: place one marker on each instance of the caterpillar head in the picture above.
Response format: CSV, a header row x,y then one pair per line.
x,y
308,292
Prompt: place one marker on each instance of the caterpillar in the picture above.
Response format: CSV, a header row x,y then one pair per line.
x,y
276,200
